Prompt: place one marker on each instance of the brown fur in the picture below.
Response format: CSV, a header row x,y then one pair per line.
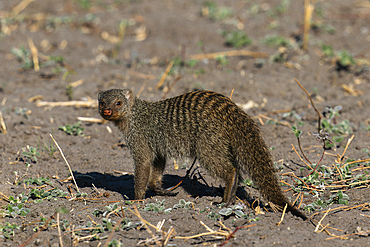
x,y
205,125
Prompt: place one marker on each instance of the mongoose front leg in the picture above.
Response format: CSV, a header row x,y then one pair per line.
x,y
142,173
155,179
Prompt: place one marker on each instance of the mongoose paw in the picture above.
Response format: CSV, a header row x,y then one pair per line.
x,y
164,192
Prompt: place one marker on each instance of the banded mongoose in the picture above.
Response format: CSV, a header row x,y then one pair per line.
x,y
204,125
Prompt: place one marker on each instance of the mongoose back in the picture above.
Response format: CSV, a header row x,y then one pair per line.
x,y
204,125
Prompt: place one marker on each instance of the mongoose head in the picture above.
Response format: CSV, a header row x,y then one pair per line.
x,y
114,104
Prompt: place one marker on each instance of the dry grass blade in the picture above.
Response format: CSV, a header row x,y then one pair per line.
x,y
21,6
216,234
69,167
59,231
168,235
89,103
308,9
282,216
91,120
231,94
76,83
348,235
34,53
165,74
274,120
171,86
2,124
227,54
345,150
4,197
141,75
319,223
146,225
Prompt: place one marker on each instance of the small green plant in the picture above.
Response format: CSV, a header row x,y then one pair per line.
x,y
91,229
327,50
39,181
155,207
237,39
41,194
344,60
215,13
108,224
30,154
84,4
248,182
182,204
192,63
23,55
236,210
214,216
7,229
280,9
331,125
69,91
75,129
295,116
15,207
108,209
276,41
22,111
222,61
280,56
115,243
339,198
50,148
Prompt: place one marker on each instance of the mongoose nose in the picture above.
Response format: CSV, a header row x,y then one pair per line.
x,y
107,112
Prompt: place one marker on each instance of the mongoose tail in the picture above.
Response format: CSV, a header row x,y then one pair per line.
x,y
254,156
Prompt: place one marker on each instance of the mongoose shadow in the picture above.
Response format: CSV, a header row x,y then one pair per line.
x,y
124,184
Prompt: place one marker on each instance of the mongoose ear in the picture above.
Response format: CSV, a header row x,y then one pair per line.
x,y
129,96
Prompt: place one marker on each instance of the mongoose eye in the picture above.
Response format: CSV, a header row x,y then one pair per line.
x,y
118,103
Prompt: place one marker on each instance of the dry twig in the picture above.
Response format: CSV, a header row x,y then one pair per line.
x,y
112,232
69,167
45,226
59,231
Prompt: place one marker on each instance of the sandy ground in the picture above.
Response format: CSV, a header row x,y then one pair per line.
x,y
85,47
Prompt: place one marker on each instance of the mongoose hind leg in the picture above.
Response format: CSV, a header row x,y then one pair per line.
x,y
219,163
231,181
155,178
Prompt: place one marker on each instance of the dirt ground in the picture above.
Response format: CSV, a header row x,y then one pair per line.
x,y
84,47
